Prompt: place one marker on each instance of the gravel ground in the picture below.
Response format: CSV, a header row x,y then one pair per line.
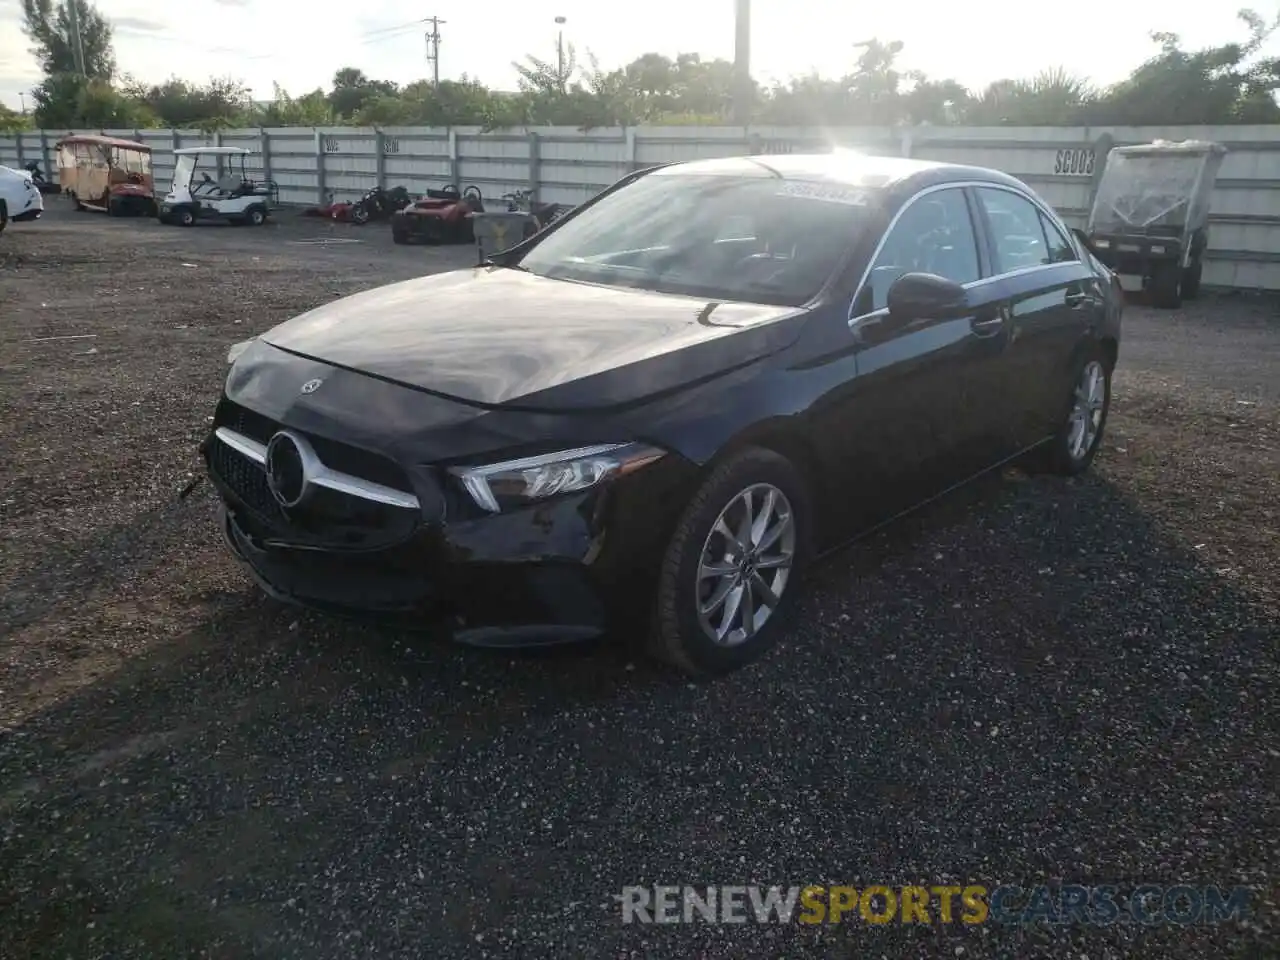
x,y
1035,681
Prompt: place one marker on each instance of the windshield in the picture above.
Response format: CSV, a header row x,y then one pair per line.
x,y
183,165
753,239
1142,191
131,161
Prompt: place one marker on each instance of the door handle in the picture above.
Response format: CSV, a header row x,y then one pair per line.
x,y
988,324
1078,300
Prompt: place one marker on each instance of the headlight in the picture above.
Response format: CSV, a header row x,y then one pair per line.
x,y
517,482
29,184
236,349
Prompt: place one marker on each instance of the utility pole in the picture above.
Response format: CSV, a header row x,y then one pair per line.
x,y
742,91
433,48
77,44
560,54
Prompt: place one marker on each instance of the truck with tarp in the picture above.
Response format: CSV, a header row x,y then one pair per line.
x,y
1150,217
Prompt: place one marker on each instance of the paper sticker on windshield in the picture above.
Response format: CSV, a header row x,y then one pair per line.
x,y
830,192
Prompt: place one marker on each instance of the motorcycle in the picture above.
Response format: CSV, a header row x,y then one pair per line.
x,y
38,177
379,204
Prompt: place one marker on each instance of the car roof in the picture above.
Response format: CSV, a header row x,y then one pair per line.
x,y
234,151
847,168
104,141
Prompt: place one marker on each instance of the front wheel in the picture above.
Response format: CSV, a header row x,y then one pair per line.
x,y
732,567
360,214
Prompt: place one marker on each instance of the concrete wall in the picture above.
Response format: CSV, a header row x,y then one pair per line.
x,y
566,165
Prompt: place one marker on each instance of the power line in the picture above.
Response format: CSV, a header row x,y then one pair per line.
x,y
374,36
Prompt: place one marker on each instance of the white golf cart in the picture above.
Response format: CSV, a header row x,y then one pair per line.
x,y
231,197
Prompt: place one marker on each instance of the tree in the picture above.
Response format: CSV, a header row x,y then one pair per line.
x,y
13,122
352,90
548,78
309,110
68,101
218,104
48,26
1053,97
1231,83
1224,84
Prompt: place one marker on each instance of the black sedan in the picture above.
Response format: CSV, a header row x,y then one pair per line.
x,y
651,417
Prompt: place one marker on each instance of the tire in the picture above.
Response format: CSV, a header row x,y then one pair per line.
x,y
4,215
255,216
185,217
1061,455
1191,279
360,214
1166,286
678,634
115,208
398,237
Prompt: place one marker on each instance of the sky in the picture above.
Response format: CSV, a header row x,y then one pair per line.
x,y
300,43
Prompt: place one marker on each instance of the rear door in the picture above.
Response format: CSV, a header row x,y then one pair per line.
x,y
1051,298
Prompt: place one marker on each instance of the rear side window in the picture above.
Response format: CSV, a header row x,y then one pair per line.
x,y
1021,236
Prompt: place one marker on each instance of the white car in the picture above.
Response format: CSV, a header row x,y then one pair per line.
x,y
19,198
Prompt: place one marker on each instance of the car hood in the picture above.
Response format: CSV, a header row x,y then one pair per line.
x,y
495,336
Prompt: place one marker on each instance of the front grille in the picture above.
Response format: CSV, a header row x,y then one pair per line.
x,y
247,482
328,519
336,456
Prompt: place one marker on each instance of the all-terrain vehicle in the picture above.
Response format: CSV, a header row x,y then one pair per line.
x,y
233,197
442,216
106,174
376,203
1150,218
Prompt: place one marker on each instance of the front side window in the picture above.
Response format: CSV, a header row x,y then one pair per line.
x,y
724,237
933,235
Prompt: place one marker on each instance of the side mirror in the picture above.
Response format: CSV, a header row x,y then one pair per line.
x,y
926,296
1084,240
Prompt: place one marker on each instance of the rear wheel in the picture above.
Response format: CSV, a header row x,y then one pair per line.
x,y
732,565
1191,279
1073,448
185,217
255,216
1166,285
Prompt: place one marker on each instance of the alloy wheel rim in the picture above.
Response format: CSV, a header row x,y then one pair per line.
x,y
745,563
1088,402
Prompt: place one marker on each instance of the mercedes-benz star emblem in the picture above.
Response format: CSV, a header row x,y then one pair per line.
x,y
290,466
311,386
